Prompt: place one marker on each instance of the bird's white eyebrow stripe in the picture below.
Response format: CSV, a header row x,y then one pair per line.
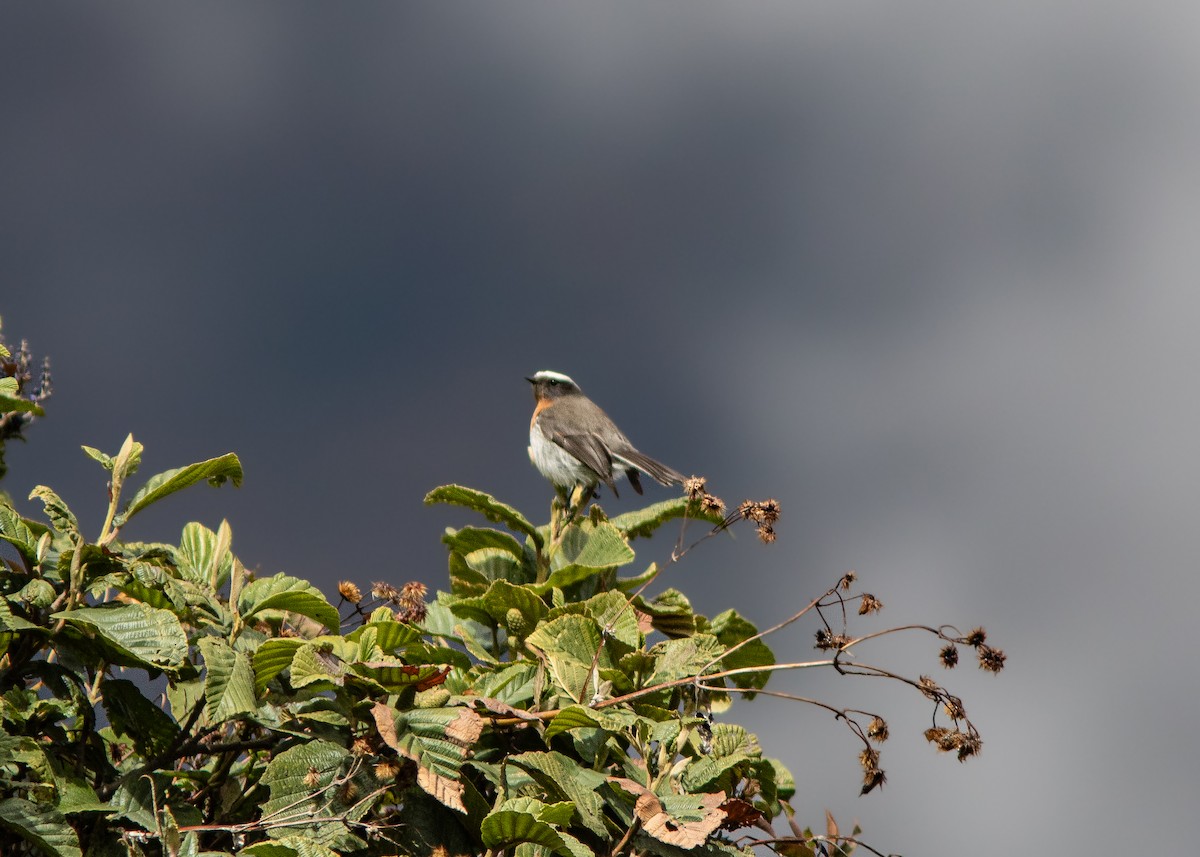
x,y
548,375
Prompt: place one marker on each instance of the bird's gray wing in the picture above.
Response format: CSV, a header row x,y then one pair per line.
x,y
655,469
560,424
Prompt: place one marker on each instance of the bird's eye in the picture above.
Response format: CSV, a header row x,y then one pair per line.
x,y
553,382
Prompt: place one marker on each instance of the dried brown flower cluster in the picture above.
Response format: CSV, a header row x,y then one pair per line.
x,y
764,514
990,659
409,600
826,640
696,490
869,604
877,730
349,591
964,744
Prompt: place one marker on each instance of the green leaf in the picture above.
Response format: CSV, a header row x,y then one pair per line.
x,y
395,677
43,827
16,532
215,470
564,779
146,635
13,404
438,740
57,511
387,636
526,819
643,522
684,657
470,539
272,658
287,846
198,552
303,795
670,612
486,505
731,628
283,592
105,460
132,714
228,683
594,546
570,644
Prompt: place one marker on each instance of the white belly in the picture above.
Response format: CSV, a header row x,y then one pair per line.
x,y
556,464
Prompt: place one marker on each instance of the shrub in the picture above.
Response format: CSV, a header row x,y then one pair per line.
x,y
157,699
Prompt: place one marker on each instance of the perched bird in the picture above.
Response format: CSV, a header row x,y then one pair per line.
x,y
574,443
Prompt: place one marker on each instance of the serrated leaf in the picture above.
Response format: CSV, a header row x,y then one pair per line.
x,y
287,846
228,682
526,819
685,657
731,629
272,658
302,795
43,827
397,676
199,553
438,740
470,539
570,644
216,470
284,592
16,532
562,778
104,459
387,635
643,522
132,714
146,635
57,511
13,404
594,546
486,505
314,662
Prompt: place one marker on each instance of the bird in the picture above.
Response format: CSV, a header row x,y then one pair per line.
x,y
574,444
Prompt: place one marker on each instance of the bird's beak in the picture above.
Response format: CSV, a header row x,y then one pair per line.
x,y
531,381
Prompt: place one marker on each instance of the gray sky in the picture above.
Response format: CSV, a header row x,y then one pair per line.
x,y
925,272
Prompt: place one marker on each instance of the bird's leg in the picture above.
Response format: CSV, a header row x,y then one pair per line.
x,y
580,496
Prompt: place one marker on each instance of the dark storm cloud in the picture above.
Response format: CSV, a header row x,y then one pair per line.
x,y
925,271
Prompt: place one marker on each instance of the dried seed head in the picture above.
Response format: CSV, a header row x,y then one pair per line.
x,y
929,687
976,637
877,730
847,580
969,746
384,591
954,708
769,509
750,510
873,779
386,770
312,777
869,759
936,735
949,656
870,604
349,591
991,659
712,505
766,533
360,747
694,487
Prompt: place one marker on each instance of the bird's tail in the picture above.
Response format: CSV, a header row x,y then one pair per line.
x,y
654,469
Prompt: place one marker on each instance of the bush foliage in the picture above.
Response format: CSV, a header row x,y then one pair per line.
x,y
157,699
